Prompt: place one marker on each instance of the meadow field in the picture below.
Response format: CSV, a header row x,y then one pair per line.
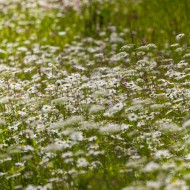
x,y
94,94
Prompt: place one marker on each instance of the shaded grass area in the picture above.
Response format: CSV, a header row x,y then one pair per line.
x,y
148,21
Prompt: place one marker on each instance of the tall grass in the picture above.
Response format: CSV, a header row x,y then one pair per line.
x,y
151,21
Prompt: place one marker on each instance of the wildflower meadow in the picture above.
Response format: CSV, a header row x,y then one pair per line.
x,y
94,95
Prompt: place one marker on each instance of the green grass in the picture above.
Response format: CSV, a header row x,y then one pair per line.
x,y
94,96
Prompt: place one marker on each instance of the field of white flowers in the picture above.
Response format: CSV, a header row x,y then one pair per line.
x,y
80,112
